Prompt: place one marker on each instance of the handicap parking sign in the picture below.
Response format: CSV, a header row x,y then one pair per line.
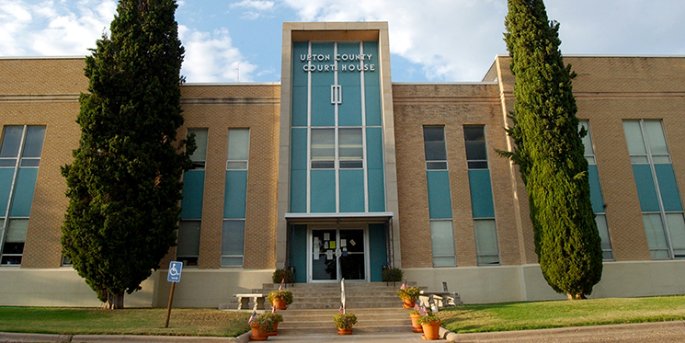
x,y
175,268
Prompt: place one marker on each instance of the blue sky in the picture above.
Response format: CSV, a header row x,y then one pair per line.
x,y
430,40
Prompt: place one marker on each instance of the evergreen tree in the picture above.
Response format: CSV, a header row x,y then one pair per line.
x,y
549,152
124,183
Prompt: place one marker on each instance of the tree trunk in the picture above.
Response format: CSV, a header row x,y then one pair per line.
x,y
114,301
578,296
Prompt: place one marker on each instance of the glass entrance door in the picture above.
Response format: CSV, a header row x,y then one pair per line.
x,y
336,254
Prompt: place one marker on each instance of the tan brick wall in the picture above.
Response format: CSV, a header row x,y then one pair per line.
x,y
452,106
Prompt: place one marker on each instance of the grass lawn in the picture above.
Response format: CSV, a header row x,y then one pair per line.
x,y
183,322
554,314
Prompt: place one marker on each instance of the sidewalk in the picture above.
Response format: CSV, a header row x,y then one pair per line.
x,y
629,333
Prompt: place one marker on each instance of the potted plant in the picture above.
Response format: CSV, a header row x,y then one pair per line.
x,y
409,295
390,274
274,318
415,315
344,323
260,326
280,299
430,324
283,275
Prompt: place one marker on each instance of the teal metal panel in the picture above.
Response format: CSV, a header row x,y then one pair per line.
x,y
234,194
299,106
668,187
376,190
372,90
298,170
351,190
439,201
6,175
298,148
481,193
23,192
595,189
322,193
378,254
300,50
645,188
322,110
193,190
375,173
350,110
298,252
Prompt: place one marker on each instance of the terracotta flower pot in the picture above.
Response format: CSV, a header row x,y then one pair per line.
x,y
280,304
257,334
344,331
408,303
415,325
275,330
431,331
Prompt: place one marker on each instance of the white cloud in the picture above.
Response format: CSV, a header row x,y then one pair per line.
x,y
254,9
458,39
211,57
449,39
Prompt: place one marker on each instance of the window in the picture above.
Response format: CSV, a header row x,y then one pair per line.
x,y
235,195
476,155
188,248
323,148
434,147
233,237
19,159
662,211
199,156
350,150
482,206
596,192
238,149
443,243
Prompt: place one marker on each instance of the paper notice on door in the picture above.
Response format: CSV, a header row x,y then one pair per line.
x,y
316,245
332,245
352,242
343,243
326,236
329,254
316,255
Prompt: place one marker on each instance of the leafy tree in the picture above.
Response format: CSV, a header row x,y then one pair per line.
x,y
124,183
549,152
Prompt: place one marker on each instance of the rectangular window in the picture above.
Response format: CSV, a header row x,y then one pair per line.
x,y
476,154
20,153
238,149
596,192
434,147
443,243
486,241
188,249
323,148
233,237
662,211
199,156
350,150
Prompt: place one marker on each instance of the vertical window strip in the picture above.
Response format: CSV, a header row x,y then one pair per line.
x,y
485,228
233,229
600,216
665,230
20,149
434,147
199,156
188,235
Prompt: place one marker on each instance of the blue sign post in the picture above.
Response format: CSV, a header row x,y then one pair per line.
x,y
173,276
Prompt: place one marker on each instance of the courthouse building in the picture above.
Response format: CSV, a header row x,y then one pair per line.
x,y
337,172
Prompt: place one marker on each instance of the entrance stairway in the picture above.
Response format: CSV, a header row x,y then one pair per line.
x,y
376,305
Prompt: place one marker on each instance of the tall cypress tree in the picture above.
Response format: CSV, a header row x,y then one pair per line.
x,y
124,183
549,152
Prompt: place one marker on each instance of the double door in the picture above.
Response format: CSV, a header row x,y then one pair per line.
x,y
337,253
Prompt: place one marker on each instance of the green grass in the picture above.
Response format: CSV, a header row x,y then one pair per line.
x,y
72,321
554,314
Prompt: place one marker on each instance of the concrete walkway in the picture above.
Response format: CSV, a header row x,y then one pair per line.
x,y
625,333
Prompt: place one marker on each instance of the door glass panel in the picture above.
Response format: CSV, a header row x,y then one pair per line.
x,y
352,254
324,266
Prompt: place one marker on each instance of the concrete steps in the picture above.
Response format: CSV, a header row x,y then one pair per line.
x,y
318,321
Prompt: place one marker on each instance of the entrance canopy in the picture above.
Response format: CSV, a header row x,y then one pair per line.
x,y
339,218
